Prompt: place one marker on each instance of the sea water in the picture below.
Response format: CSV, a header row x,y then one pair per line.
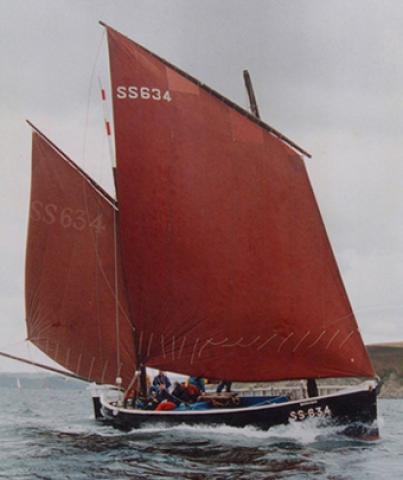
x,y
51,434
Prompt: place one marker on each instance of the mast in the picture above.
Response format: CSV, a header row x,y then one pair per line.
x,y
115,225
108,129
251,94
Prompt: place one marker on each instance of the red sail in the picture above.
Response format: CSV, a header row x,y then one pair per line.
x,y
70,271
229,270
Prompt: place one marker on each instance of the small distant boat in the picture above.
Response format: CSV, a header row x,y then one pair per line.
x,y
212,261
18,383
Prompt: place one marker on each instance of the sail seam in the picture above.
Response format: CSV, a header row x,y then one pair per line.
x,y
317,340
163,346
182,347
206,343
256,339
79,362
68,356
194,350
173,348
57,351
284,341
345,340
331,340
150,341
267,341
104,370
236,344
300,342
91,367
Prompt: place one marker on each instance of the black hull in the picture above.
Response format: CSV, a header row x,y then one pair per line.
x,y
346,408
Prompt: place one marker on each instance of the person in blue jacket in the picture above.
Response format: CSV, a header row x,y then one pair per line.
x,y
161,379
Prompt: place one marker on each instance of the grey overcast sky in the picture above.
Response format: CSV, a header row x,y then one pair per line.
x,y
327,73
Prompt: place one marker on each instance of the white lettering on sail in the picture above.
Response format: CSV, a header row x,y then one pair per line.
x,y
156,93
145,93
121,92
50,213
133,92
67,217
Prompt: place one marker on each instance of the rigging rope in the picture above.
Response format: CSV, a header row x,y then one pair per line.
x,y
87,112
115,240
111,153
115,232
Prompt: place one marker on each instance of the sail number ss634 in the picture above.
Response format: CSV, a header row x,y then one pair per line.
x,y
302,414
66,217
133,92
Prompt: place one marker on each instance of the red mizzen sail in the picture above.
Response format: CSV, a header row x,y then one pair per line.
x,y
70,271
229,270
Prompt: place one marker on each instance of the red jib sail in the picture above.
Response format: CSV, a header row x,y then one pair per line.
x,y
70,271
228,266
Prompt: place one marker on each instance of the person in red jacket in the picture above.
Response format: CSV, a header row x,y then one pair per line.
x,y
193,392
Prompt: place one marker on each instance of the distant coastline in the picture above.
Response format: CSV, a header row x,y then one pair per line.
x,y
387,359
39,381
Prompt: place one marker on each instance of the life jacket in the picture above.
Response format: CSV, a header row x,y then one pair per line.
x,y
166,405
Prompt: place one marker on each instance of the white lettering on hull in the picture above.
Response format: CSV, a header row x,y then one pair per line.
x,y
302,414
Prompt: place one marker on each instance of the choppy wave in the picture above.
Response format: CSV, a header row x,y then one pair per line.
x,y
52,436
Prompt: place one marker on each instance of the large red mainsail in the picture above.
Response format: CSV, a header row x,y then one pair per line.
x,y
229,270
70,271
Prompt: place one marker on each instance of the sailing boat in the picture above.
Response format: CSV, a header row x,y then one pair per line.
x,y
212,261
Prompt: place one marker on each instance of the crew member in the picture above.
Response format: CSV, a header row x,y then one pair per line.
x,y
161,379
